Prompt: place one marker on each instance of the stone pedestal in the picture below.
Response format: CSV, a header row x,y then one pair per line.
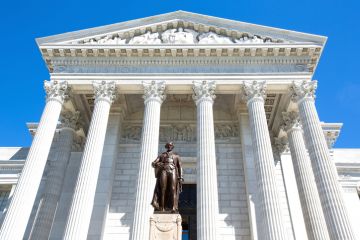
x,y
165,227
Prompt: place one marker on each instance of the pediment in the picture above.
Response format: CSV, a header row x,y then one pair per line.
x,y
181,28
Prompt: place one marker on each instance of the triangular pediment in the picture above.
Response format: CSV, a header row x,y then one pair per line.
x,y
179,28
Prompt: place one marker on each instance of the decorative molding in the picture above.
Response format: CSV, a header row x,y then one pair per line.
x,y
154,90
104,90
204,90
56,90
290,120
304,89
254,89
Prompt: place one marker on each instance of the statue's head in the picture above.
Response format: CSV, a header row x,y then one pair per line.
x,y
169,146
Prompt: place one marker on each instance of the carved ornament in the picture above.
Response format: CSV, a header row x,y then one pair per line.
x,y
78,143
70,119
104,90
204,90
304,89
183,132
281,145
290,120
56,90
154,90
254,89
179,36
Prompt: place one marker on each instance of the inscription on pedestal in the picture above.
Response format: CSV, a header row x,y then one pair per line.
x,y
165,227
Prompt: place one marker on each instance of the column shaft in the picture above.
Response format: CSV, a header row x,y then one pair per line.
x,y
149,152
83,200
337,219
49,200
309,196
78,221
207,193
331,198
21,204
207,189
272,219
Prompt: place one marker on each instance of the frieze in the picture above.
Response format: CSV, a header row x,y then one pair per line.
x,y
265,68
183,132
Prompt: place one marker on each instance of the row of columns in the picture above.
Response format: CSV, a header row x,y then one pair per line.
x,y
77,225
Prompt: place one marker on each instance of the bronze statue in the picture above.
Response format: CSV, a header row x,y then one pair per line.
x,y
169,180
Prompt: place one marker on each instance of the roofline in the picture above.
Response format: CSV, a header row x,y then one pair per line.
x,y
176,15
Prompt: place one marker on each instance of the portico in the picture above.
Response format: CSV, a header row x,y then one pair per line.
x,y
215,87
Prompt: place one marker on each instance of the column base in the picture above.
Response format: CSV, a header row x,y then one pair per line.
x,y
165,226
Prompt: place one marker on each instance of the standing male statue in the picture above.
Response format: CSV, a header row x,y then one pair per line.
x,y
169,180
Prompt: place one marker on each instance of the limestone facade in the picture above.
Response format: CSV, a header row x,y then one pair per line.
x,y
224,92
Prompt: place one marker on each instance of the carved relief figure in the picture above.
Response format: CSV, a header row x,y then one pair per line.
x,y
169,180
213,38
181,36
147,38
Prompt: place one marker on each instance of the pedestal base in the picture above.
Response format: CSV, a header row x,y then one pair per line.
x,y
165,227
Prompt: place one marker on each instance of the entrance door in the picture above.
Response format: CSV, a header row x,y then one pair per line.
x,y
187,210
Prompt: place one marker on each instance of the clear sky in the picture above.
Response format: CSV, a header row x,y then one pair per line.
x,y
23,71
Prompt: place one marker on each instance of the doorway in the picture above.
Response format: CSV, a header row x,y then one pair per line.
x,y
187,210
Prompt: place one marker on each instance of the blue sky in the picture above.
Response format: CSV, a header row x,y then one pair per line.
x,y
22,96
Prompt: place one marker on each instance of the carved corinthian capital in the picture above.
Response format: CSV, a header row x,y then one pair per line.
x,y
104,90
78,143
281,144
70,119
290,121
204,90
254,90
304,89
154,90
56,90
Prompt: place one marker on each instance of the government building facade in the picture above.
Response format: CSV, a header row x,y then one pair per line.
x,y
237,100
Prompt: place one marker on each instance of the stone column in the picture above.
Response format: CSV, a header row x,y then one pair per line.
x,y
207,189
50,197
309,196
272,226
78,221
21,204
326,178
154,95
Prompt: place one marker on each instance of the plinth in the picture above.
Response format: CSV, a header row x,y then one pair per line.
x,y
165,226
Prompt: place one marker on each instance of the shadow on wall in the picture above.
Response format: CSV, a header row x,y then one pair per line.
x,y
233,209
21,154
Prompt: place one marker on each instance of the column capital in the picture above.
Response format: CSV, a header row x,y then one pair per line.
x,y
204,90
290,121
56,90
254,90
69,119
78,143
104,90
154,90
300,90
281,144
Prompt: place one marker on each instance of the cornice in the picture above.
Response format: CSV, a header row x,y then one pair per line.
x,y
162,50
178,61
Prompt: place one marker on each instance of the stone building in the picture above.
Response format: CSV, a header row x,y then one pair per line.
x,y
236,98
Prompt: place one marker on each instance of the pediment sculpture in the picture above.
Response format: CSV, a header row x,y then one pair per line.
x,y
180,36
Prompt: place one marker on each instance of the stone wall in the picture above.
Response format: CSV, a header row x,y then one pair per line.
x,y
233,217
